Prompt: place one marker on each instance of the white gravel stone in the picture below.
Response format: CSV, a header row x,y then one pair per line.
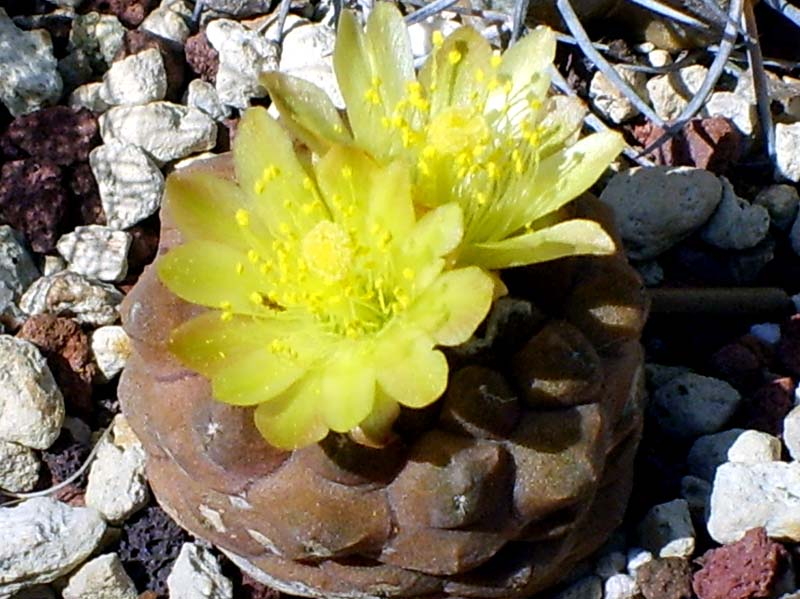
x,y
691,405
590,587
747,496
203,96
244,55
787,140
19,467
753,447
31,405
43,539
657,207
609,564
734,107
696,491
68,293
138,79
17,272
104,577
610,101
52,265
637,557
197,575
89,96
30,79
736,223
129,182
97,36
791,432
168,21
659,58
96,251
621,586
671,93
667,530
709,451
164,130
768,332
781,201
111,347
117,486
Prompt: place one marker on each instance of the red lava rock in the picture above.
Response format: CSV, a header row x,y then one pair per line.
x,y
202,58
34,201
69,356
788,350
737,363
174,64
769,405
86,201
745,569
63,459
712,143
59,134
130,12
667,578
252,589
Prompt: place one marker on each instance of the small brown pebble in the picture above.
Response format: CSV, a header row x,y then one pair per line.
x,y
203,59
746,569
130,12
59,134
667,578
148,595
768,406
252,589
788,349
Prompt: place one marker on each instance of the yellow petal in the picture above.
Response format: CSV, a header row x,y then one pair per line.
x,y
376,428
347,383
307,111
568,238
437,233
410,370
293,420
390,50
453,306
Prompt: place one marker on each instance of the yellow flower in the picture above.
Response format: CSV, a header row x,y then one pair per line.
x,y
328,294
476,127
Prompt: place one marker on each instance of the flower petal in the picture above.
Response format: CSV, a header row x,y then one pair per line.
x,y
568,238
390,51
347,384
211,274
307,111
453,306
375,430
437,233
410,370
294,419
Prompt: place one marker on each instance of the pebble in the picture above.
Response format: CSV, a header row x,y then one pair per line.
x,y
130,183
104,577
636,558
734,107
691,405
787,140
746,496
753,447
671,93
164,130
88,96
667,530
709,451
203,96
590,587
781,201
117,486
667,578
768,332
95,39
30,79
791,433
244,55
66,292
196,574
696,491
743,570
17,272
31,405
43,539
736,224
169,21
201,57
96,252
138,79
621,586
650,223
609,564
19,467
610,101
111,347
239,8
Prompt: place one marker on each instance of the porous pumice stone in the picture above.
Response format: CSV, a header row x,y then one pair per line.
x,y
469,500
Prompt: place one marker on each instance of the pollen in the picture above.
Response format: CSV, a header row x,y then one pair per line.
x,y
479,75
242,218
454,57
257,298
437,38
347,172
239,268
253,256
496,60
408,274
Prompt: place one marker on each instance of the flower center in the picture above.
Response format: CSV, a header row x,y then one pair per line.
x,y
327,251
456,129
